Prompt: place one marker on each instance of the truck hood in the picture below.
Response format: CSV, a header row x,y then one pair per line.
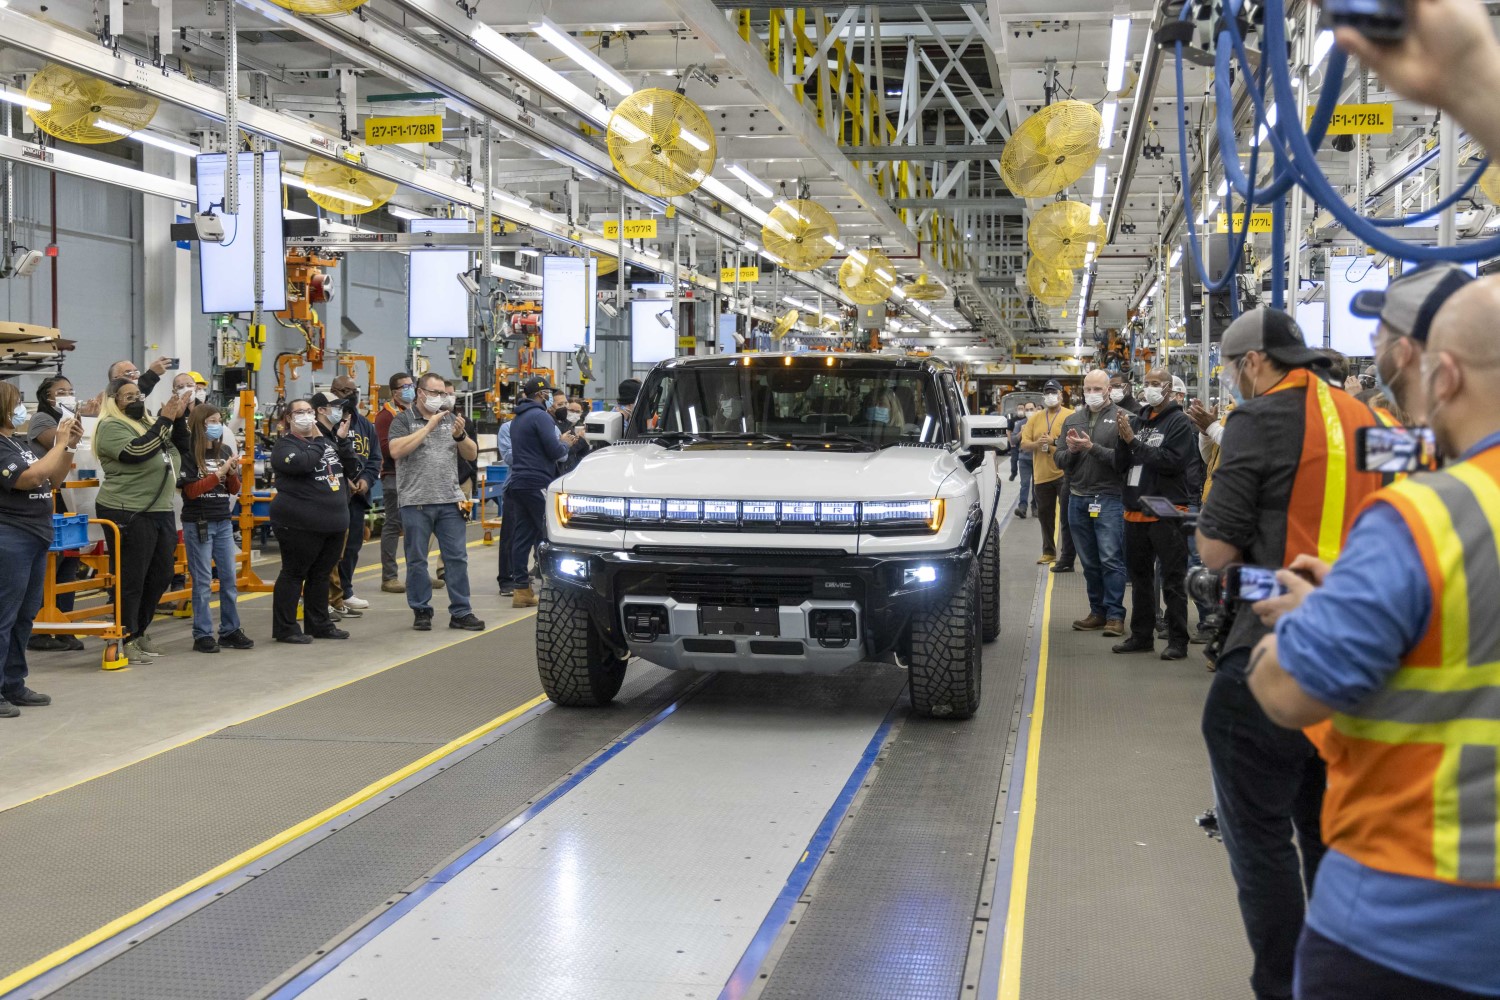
x,y
649,470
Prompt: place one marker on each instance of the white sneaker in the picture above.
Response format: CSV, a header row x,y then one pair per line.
x,y
357,603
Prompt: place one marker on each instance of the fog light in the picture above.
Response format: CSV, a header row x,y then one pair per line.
x,y
917,575
578,569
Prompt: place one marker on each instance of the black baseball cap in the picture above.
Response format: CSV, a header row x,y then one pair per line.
x,y
627,391
1273,333
535,384
1408,304
1052,383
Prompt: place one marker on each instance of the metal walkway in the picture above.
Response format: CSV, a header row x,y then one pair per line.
x,y
438,828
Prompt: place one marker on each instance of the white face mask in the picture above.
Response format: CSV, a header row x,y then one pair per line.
x,y
65,402
1095,400
574,416
1154,395
1051,400
200,395
304,422
1117,395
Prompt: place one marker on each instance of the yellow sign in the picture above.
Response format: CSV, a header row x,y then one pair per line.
x,y
1260,222
687,343
1360,119
419,128
635,229
743,275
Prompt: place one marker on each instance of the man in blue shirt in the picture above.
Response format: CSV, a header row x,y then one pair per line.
x,y
1374,933
536,448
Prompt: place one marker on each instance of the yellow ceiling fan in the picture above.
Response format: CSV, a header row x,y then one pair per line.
x,y
867,276
926,289
343,188
785,323
661,142
320,8
1052,286
1051,149
1060,234
802,233
77,103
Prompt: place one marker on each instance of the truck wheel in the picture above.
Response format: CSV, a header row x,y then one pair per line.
x,y
989,583
575,666
945,654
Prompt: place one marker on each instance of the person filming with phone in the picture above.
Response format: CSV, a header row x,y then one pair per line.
x,y
1397,648
1287,485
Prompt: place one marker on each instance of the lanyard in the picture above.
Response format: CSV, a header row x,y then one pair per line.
x,y
1051,418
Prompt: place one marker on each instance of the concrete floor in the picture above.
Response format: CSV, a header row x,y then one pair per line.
x,y
102,720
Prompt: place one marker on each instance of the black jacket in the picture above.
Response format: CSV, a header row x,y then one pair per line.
x,y
205,496
535,448
1130,404
1156,461
366,467
1090,472
312,490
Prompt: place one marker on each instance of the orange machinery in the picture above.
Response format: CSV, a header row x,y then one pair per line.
x,y
308,285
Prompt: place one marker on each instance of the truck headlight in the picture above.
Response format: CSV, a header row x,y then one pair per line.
x,y
903,514
590,510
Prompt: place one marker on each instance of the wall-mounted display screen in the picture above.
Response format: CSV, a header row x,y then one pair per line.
x,y
653,334
437,305
226,271
569,297
1347,277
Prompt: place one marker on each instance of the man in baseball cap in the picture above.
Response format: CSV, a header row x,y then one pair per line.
x,y
1261,346
535,450
1406,309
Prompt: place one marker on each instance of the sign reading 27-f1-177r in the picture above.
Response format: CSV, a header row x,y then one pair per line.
x,y
418,128
1360,119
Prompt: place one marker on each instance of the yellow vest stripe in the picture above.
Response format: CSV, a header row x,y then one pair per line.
x,y
1446,815
1454,609
1336,475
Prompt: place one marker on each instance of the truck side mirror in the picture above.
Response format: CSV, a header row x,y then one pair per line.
x,y
604,427
986,432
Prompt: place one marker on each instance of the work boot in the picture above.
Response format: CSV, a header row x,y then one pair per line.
x,y
205,644
524,597
45,644
331,633
1175,651
237,640
1134,645
7,710
1092,623
468,623
1021,513
1204,633
423,620
1114,627
24,697
1060,568
393,586
1046,560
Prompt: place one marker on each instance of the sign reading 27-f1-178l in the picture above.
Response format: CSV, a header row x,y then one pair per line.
x,y
419,128
1360,119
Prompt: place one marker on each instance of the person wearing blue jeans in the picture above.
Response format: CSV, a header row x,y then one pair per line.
x,y
1095,513
1020,461
422,522
209,481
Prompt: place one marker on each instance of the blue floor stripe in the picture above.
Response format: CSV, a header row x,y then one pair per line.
x,y
309,976
749,965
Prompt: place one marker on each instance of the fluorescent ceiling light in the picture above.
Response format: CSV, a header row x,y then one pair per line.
x,y
291,180
147,138
1094,209
1176,256
881,272
1223,188
12,97
1213,206
1100,176
1107,129
692,139
575,50
404,213
1119,40
751,181
1320,49
533,71
527,252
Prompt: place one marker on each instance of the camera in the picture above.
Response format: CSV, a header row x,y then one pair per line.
x,y
1238,582
1205,586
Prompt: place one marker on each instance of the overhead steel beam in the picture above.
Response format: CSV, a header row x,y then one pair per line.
x,y
992,206
945,153
97,169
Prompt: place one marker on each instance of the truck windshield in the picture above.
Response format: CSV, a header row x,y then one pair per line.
x,y
806,403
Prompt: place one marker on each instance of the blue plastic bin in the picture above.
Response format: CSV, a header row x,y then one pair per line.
x,y
69,531
496,473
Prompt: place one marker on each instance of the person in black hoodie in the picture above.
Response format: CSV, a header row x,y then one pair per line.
x,y
1153,452
209,480
536,448
1119,393
310,516
362,479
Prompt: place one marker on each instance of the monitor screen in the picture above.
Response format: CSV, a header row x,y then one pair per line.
x,y
1348,276
568,301
651,340
226,271
1312,317
437,305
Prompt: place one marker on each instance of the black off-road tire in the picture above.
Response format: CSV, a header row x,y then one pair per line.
x,y
575,665
945,654
989,583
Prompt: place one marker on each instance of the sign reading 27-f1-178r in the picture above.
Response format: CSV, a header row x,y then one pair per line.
x,y
1360,119
418,128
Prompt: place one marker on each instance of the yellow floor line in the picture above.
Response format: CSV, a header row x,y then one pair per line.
x,y
1015,917
78,947
277,708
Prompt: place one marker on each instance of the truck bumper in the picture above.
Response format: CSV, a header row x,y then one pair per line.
x,y
755,612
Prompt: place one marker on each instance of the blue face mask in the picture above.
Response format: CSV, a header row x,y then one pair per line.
x,y
213,431
19,416
408,393
878,414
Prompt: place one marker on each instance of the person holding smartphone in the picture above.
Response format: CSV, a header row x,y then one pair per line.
x,y
362,479
210,481
55,403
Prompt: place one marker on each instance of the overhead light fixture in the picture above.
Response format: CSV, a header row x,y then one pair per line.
x,y
1094,209
693,139
1320,50
527,252
12,97
292,180
1176,256
1100,177
147,138
1107,128
404,213
532,70
1119,40
576,51
751,181
1223,188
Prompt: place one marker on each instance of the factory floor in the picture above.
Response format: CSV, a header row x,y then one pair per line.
x,y
403,814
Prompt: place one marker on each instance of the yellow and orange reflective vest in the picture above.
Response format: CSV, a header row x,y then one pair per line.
x,y
1414,770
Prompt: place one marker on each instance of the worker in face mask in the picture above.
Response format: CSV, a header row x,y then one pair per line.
x,y
1095,514
403,394
1119,393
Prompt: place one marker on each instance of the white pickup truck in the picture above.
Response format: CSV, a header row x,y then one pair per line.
x,y
798,513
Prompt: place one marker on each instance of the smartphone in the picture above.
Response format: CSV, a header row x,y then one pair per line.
x,y
173,364
1162,507
1390,450
1252,583
1378,20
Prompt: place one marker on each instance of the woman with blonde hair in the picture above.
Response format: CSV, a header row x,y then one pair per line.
x,y
209,481
26,483
139,457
